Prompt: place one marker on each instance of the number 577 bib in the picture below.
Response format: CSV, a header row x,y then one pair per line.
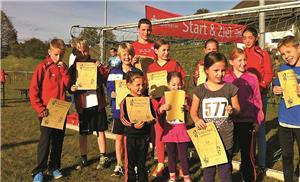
x,y
214,107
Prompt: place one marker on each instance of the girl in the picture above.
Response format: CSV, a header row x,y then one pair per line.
x,y
259,63
162,50
137,135
213,94
175,135
126,53
209,46
288,118
92,117
251,115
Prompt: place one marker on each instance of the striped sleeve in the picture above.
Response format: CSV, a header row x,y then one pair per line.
x,y
123,114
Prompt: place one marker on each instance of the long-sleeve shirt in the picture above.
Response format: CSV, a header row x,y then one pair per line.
x,y
259,63
48,81
249,97
129,129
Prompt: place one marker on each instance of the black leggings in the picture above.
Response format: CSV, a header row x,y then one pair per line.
x,y
182,154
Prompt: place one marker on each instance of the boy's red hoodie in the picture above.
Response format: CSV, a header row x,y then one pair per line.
x,y
48,81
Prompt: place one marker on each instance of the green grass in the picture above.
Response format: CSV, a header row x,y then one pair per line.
x,y
20,135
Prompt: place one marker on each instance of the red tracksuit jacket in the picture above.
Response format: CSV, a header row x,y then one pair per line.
x,y
48,81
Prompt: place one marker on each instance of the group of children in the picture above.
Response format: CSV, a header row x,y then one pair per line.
x,y
229,89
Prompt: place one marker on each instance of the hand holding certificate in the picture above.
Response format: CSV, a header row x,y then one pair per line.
x,y
86,76
208,145
121,91
57,114
157,83
138,109
202,75
176,99
289,83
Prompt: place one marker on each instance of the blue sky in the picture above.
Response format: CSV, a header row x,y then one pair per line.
x,y
48,19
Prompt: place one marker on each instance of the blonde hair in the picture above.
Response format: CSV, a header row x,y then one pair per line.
x,y
125,47
288,41
57,43
235,52
82,44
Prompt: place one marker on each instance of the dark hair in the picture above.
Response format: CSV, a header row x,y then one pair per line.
x,y
253,31
173,74
159,43
144,21
114,49
132,75
211,41
212,58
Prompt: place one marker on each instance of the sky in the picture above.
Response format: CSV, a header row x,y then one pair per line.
x,y
48,19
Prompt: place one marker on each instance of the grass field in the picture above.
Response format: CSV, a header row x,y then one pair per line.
x,y
20,135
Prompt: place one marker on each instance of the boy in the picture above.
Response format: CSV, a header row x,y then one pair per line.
x,y
289,123
143,47
50,80
114,60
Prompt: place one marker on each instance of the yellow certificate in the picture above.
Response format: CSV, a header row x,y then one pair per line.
x,y
86,76
289,83
138,109
58,110
121,91
176,99
158,83
201,75
208,145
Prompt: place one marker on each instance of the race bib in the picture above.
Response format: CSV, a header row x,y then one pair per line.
x,y
214,107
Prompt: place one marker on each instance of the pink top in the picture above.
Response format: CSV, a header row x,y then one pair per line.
x,y
249,97
176,133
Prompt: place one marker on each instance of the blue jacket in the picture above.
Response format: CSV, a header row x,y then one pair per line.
x,y
291,115
115,73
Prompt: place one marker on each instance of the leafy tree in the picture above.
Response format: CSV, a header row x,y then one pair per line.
x,y
33,47
93,36
201,11
8,35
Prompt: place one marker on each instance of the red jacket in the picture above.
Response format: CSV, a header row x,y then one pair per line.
x,y
259,63
48,81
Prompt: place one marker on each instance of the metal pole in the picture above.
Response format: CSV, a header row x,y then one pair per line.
x,y
105,12
262,25
102,46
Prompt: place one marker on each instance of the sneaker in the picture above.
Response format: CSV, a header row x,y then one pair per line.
x,y
56,174
103,163
81,164
38,177
118,171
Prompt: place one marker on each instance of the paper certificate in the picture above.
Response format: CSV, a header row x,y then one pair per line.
x,y
138,109
57,114
289,83
121,92
158,83
201,75
86,76
176,99
208,145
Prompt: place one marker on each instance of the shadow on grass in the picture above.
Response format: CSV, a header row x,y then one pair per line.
x,y
12,145
273,150
67,171
272,124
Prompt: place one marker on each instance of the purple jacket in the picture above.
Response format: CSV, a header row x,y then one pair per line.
x,y
249,97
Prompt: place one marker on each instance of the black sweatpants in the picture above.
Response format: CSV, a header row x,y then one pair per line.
x,y
245,139
136,149
50,139
287,136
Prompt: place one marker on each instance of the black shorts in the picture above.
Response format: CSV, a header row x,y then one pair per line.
x,y
117,127
91,120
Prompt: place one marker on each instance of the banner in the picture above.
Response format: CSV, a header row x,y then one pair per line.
x,y
195,29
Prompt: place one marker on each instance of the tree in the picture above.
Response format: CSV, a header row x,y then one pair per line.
x,y
8,35
201,11
33,47
93,37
